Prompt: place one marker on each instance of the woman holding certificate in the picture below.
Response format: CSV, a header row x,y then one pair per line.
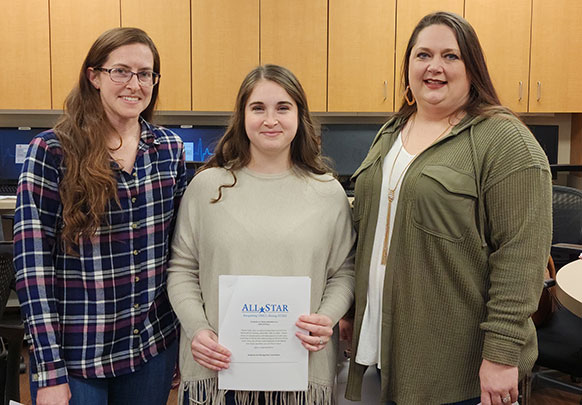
x,y
264,206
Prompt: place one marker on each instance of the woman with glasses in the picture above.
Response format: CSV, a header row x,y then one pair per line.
x,y
96,204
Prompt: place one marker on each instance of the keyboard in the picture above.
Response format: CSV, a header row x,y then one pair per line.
x,y
8,189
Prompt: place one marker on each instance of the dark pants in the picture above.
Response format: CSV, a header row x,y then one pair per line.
x,y
473,401
150,385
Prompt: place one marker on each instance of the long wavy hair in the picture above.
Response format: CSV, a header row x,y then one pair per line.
x,y
483,99
233,149
89,183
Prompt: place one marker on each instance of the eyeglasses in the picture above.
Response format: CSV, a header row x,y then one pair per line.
x,y
121,75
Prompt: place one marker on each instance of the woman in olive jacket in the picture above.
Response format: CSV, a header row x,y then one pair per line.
x,y
453,213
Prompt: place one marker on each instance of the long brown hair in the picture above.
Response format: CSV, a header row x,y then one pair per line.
x,y
483,99
89,183
233,149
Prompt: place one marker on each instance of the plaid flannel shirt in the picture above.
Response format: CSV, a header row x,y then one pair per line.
x,y
106,312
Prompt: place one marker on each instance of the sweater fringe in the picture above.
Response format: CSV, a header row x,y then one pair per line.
x,y
206,392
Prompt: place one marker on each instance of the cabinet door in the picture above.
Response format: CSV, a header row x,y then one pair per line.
x,y
225,47
168,24
75,25
25,69
504,22
361,55
294,35
555,79
408,14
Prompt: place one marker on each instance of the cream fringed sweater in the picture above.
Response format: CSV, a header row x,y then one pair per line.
x,y
284,224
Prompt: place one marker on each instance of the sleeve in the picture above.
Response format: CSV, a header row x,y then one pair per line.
x,y
519,209
35,228
184,288
180,186
339,290
182,178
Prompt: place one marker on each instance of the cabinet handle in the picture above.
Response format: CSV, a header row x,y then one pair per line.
x,y
539,91
385,90
520,90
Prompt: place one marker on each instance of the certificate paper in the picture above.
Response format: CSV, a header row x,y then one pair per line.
x,y
257,316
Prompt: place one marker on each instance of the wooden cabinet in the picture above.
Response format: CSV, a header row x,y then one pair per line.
x,y
168,24
361,55
555,78
294,34
25,67
408,14
347,54
75,25
503,28
225,47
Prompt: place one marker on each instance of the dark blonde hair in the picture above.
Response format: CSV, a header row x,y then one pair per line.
x,y
233,149
483,99
89,183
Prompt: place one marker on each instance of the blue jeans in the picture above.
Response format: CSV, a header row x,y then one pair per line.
x,y
150,385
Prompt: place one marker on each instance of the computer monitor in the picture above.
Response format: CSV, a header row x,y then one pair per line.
x,y
13,147
347,145
199,143
547,136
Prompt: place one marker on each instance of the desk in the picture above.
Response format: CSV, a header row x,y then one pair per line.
x,y
569,287
564,168
7,204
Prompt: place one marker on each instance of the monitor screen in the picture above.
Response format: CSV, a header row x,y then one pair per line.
x,y
547,136
199,141
347,145
13,147
199,144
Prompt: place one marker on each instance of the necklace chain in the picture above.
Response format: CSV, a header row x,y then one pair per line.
x,y
392,191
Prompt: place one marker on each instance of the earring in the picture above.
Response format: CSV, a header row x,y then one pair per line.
x,y
409,101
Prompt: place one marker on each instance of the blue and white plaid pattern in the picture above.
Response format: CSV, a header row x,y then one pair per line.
x,y
106,312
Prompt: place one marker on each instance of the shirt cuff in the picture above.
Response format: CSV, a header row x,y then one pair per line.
x,y
50,374
501,349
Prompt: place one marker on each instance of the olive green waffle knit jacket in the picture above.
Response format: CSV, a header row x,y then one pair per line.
x,y
465,267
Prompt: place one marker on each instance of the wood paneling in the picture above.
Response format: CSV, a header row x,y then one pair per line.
x,y
294,34
168,24
555,79
25,67
508,23
225,47
75,25
361,55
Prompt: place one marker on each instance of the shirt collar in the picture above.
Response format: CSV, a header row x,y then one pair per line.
x,y
148,135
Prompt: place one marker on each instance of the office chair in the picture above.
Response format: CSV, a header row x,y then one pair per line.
x,y
560,337
11,332
567,229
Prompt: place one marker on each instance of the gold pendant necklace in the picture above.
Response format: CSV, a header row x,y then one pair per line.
x,y
392,191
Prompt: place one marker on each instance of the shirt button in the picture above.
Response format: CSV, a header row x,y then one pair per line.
x,y
136,279
136,306
135,252
133,199
134,174
136,331
134,225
